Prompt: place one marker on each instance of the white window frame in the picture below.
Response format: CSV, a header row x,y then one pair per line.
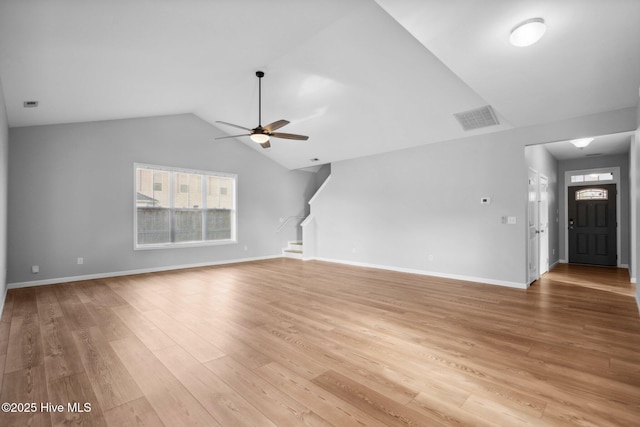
x,y
169,245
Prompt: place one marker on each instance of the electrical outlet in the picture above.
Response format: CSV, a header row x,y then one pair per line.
x,y
35,269
80,261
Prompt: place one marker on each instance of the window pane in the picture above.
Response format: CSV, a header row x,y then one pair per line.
x,y
188,190
605,176
188,225
152,188
577,178
219,192
592,194
154,225
218,224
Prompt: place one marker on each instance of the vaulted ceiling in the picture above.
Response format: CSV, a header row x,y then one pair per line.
x,y
359,77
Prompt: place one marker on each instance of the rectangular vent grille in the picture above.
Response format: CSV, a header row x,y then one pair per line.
x,y
478,118
30,104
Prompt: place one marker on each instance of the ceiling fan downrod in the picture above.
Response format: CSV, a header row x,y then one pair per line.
x,y
260,75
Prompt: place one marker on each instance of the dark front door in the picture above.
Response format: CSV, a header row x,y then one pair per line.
x,y
592,224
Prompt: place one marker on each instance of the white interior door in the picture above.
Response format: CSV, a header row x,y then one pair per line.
x,y
532,227
543,224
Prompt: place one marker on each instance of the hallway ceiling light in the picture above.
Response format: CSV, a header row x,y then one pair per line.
x,y
527,32
581,142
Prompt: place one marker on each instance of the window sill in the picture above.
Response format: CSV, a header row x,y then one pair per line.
x,y
184,245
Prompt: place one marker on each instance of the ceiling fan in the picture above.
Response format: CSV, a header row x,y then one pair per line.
x,y
262,134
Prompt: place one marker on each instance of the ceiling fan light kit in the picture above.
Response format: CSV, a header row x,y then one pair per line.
x,y
262,134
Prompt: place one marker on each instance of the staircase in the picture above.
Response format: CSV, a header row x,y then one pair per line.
x,y
293,250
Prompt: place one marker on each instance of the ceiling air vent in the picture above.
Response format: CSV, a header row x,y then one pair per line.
x,y
478,118
30,104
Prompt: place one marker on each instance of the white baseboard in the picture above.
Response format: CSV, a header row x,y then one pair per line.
x,y
428,273
132,272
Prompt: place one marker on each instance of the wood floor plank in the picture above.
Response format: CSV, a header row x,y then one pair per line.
x,y
335,410
385,410
74,310
111,326
137,413
285,342
25,386
152,336
226,405
47,303
223,334
112,383
197,346
24,302
5,328
80,406
25,347
282,409
61,356
173,403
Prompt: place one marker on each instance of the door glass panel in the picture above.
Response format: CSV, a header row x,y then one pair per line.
x,y
592,194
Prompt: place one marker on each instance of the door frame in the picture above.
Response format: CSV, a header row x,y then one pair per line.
x,y
533,225
615,170
536,254
543,236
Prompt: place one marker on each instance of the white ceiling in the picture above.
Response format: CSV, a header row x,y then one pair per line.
x,y
603,145
358,76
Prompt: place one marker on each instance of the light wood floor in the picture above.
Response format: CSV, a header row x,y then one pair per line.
x,y
290,343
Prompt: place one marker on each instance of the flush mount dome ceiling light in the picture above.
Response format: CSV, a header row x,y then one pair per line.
x,y
581,142
527,32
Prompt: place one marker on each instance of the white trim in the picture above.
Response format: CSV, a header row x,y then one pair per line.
x,y
307,220
132,272
324,184
425,273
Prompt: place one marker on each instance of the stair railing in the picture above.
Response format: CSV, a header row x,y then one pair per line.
x,y
289,218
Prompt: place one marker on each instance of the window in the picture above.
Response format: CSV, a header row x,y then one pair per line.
x,y
177,207
592,194
608,176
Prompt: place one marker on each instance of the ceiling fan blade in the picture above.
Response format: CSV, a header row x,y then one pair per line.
x,y
233,136
289,136
265,144
275,125
235,126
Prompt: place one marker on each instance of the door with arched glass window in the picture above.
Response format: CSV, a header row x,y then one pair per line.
x,y
592,224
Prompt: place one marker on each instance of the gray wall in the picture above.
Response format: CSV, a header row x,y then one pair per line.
x,y
593,163
4,162
538,158
419,209
71,195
